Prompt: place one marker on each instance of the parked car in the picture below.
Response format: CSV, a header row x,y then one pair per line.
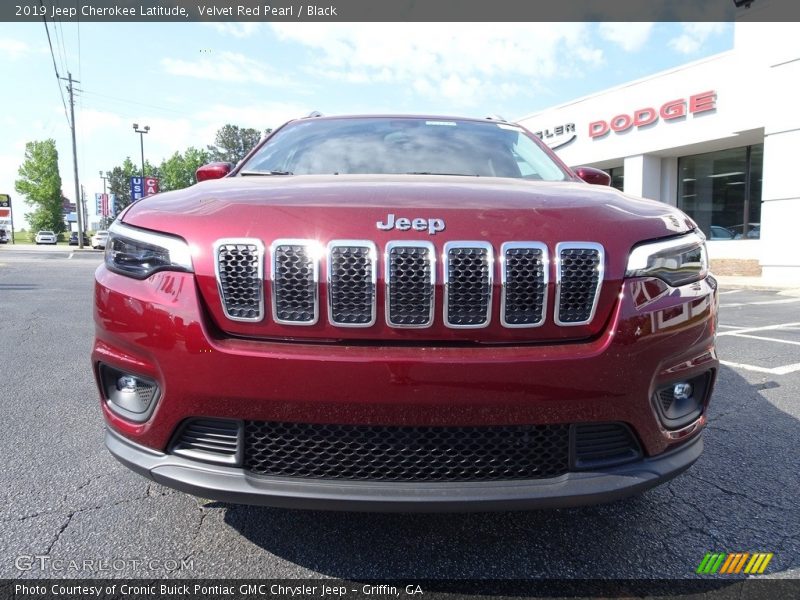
x,y
393,313
4,237
73,239
99,239
46,237
721,233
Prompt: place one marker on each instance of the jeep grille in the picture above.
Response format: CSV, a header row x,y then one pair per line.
x,y
409,272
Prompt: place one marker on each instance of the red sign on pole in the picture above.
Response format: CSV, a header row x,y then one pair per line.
x,y
150,186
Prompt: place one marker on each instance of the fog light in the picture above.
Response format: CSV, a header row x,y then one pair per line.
x,y
680,403
131,396
126,383
682,391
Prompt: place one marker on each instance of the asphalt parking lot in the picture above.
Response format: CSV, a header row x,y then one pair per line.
x,y
65,498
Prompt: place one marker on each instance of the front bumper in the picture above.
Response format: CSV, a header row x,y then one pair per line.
x,y
229,484
158,329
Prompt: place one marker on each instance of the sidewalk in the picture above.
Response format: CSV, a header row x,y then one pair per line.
x,y
786,286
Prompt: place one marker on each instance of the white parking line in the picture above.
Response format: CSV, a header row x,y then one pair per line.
x,y
766,339
784,301
730,326
764,328
729,292
784,370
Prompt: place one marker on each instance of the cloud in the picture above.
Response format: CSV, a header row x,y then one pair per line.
x,y
260,116
237,30
229,67
465,63
12,49
90,121
628,36
694,36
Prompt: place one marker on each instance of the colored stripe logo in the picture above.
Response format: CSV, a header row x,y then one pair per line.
x,y
724,563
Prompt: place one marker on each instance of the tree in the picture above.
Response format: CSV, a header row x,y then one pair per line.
x,y
178,171
234,142
40,184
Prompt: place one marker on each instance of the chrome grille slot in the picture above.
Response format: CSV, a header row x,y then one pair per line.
x,y
351,283
468,284
295,280
579,278
239,267
410,279
524,281
209,440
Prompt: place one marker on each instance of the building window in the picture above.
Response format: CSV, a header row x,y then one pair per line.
x,y
721,191
617,177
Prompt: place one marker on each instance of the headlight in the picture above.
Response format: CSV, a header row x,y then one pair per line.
x,y
138,253
677,261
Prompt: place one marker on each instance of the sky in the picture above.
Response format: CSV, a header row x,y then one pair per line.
x,y
186,80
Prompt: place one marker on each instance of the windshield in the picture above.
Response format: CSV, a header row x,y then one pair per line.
x,y
403,145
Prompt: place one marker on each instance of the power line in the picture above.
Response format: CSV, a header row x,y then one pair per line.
x,y
123,100
55,68
59,31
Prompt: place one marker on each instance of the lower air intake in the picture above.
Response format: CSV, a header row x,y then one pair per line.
x,y
391,453
604,444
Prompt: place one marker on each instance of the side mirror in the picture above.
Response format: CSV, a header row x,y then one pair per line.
x,y
593,176
214,170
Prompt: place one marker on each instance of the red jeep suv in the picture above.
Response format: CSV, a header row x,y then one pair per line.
x,y
404,313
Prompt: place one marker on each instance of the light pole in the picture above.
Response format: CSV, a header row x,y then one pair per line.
x,y
105,178
141,133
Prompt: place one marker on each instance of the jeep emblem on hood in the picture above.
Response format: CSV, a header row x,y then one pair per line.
x,y
403,224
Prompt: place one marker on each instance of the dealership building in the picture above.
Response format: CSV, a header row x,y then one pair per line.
x,y
719,138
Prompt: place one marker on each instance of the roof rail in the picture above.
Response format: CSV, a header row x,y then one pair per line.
x,y
496,118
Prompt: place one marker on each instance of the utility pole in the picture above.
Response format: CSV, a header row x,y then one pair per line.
x,y
78,199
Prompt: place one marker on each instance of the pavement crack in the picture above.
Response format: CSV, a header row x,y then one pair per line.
x,y
58,534
203,515
728,492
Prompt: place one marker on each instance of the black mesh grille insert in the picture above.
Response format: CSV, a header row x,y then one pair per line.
x,y
410,286
604,444
580,283
469,286
294,284
240,281
525,286
351,285
406,453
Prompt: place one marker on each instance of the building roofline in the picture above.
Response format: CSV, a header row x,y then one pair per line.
x,y
628,84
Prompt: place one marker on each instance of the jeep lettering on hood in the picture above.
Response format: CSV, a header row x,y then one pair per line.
x,y
432,226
